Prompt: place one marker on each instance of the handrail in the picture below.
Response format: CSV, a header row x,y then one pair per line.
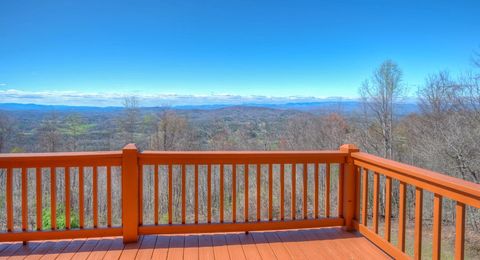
x,y
470,190
59,159
74,155
228,157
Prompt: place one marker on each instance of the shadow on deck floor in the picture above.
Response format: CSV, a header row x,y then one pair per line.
x,y
322,243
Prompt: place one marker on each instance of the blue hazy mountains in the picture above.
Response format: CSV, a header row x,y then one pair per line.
x,y
341,106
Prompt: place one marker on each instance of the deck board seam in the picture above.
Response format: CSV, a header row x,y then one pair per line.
x,y
83,242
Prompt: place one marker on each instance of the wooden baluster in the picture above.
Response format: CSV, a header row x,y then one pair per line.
x,y
184,193
388,207
341,173
305,191
170,193
9,196
81,200
270,192
95,196
24,199
282,191
459,230
316,190
418,223
67,197
358,177
365,197
401,216
376,184
234,193
109,196
53,198
196,193
259,205
437,226
140,195
222,192
155,194
294,191
246,191
327,190
39,197
209,193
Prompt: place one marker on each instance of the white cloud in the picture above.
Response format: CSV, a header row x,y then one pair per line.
x,y
3,84
75,98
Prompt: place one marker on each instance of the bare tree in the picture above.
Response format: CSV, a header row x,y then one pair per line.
x,y
130,119
49,133
445,137
470,98
437,96
171,132
379,94
301,132
5,130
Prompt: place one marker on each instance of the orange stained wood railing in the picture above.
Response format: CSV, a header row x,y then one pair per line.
x,y
57,168
442,186
199,192
251,178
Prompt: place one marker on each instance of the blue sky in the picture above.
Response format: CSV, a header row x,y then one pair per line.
x,y
270,48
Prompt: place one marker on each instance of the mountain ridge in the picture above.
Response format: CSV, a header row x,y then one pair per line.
x,y
342,106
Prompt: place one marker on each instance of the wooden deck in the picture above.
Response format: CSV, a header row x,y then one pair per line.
x,y
324,243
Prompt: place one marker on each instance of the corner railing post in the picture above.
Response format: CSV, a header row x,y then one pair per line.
x,y
130,193
349,196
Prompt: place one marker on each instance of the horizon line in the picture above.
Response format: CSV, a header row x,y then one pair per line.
x,y
115,99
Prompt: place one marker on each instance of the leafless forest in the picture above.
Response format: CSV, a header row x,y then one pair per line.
x,y
442,135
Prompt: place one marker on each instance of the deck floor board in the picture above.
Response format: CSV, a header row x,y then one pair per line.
x,y
263,246
191,247
234,246
205,250
281,252
249,247
220,248
323,243
161,247
177,245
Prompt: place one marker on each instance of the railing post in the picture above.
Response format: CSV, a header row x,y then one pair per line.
x,y
349,194
130,193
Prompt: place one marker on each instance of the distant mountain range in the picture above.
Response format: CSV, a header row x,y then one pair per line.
x,y
342,106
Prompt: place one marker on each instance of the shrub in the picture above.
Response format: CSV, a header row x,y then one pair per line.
x,y
61,218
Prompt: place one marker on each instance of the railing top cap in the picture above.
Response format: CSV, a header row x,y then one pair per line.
x,y
349,148
312,152
60,154
130,146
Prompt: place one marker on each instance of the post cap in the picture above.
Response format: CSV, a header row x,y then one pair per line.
x,y
349,148
130,146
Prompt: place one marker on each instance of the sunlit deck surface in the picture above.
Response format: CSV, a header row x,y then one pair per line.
x,y
323,243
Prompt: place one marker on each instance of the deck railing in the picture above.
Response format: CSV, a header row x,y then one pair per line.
x,y
305,185
442,186
46,165
249,165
